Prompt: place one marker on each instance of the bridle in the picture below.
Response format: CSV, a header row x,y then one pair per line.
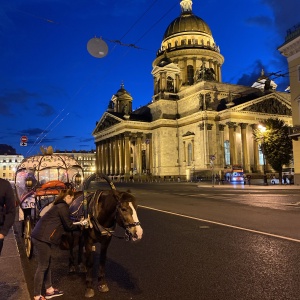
x,y
93,212
127,226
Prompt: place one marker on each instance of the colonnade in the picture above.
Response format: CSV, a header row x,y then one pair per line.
x,y
124,153
219,151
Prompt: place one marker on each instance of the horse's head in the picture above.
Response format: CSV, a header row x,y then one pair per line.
x,y
127,215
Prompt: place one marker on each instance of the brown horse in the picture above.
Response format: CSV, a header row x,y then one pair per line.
x,y
107,209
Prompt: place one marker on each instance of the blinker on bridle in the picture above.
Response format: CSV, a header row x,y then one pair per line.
x,y
127,226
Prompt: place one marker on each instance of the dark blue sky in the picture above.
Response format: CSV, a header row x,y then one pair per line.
x,y
53,91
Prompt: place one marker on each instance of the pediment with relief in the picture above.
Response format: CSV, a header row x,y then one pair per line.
x,y
272,106
106,122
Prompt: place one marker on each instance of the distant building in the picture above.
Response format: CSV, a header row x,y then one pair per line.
x,y
195,124
291,50
8,165
86,159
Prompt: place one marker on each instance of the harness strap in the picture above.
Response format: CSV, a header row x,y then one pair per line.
x,y
93,211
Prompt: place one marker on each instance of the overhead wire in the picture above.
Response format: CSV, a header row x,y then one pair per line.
x,y
45,132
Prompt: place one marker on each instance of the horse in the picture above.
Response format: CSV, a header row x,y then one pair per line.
x,y
107,209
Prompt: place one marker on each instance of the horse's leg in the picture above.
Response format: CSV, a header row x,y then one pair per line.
x,y
102,283
81,264
72,268
89,249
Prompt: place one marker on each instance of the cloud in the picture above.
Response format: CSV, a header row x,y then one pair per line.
x,y
46,109
9,100
285,15
250,77
260,21
32,131
87,139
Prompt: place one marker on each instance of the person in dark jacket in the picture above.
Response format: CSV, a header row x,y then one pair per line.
x,y
7,209
45,235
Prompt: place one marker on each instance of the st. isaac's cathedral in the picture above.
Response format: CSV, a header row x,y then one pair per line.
x,y
194,123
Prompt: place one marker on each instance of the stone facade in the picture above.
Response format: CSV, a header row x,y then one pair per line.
x,y
291,49
195,123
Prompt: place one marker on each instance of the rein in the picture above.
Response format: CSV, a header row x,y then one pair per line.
x,y
94,211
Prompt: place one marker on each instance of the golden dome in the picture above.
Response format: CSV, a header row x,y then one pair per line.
x,y
187,22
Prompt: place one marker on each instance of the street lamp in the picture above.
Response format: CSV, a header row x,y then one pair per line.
x,y
262,129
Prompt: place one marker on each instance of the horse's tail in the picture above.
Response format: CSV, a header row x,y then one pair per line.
x,y
95,176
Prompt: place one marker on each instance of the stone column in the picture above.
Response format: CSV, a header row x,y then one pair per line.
x,y
102,158
139,152
255,151
220,149
184,151
111,156
122,155
232,126
245,150
149,158
106,157
117,152
205,142
127,153
184,73
97,157
210,140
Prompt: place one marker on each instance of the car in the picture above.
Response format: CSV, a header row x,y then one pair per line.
x,y
276,181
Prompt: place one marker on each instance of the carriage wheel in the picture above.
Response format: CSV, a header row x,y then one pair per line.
x,y
27,236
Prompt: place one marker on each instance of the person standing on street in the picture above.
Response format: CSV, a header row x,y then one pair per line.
x,y
7,209
46,234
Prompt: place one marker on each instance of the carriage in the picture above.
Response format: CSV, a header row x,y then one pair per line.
x,y
38,181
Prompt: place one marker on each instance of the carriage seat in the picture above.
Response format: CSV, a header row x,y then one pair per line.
x,y
52,187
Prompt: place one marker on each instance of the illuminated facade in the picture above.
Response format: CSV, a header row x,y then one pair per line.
x,y
195,123
8,165
86,159
291,50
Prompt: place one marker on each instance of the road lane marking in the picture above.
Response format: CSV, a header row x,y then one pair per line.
x,y
223,224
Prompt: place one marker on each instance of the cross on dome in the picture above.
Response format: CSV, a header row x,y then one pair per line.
x,y
186,5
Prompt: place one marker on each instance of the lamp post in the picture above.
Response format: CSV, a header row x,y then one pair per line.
x,y
262,129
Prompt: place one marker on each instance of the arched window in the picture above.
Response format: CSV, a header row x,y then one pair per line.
x,y
190,154
170,84
190,75
227,152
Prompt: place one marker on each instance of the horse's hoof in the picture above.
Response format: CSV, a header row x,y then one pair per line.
x,y
103,288
89,293
82,268
72,269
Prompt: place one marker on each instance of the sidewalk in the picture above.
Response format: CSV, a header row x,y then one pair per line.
x,y
12,280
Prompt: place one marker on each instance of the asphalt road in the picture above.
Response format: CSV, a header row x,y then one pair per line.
x,y
199,243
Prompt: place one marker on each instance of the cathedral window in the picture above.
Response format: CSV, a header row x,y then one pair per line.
x,y
195,41
176,43
170,84
189,42
190,154
169,45
190,75
183,42
227,152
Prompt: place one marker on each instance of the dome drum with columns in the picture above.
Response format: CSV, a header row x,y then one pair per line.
x,y
193,115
